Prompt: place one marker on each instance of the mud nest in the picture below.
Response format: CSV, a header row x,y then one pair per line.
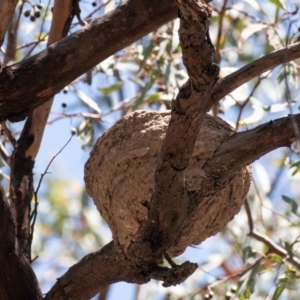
x,y
119,176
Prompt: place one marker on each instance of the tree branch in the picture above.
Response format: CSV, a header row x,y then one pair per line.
x,y
170,204
17,279
229,83
12,36
107,266
243,148
76,54
7,9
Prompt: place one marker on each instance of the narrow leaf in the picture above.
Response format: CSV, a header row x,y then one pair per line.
x,y
88,101
278,3
112,88
292,203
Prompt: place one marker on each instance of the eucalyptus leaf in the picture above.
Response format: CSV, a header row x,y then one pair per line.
x,y
88,101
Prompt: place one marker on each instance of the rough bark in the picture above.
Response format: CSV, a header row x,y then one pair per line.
x,y
64,61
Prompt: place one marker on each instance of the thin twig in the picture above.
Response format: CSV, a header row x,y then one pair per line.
x,y
33,215
74,115
273,247
103,294
220,28
121,105
249,215
238,274
8,134
4,154
170,261
243,105
89,16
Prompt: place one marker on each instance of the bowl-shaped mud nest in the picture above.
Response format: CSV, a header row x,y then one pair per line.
x,y
119,176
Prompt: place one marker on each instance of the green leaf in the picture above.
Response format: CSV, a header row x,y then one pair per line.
x,y
295,165
167,75
292,203
279,289
112,88
248,252
245,287
148,86
84,198
278,3
289,249
275,258
138,81
162,48
146,52
287,277
154,97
